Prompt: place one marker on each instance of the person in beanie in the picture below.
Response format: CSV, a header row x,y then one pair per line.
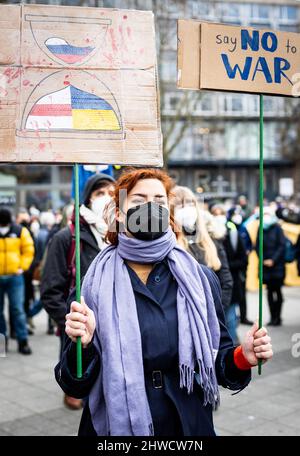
x,y
151,322
16,256
58,276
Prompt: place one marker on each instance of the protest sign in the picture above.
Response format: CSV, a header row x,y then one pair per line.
x,y
237,59
78,85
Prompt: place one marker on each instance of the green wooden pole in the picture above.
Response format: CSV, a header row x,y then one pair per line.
x,y
77,262
261,207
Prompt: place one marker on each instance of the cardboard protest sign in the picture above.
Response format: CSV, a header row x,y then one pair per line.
x,y
78,85
237,59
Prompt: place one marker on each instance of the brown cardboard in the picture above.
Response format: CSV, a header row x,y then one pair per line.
x,y
205,49
78,85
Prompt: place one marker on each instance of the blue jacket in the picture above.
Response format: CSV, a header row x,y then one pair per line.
x,y
173,411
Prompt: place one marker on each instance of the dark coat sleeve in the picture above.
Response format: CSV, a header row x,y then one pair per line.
x,y
279,252
55,277
228,375
246,239
239,260
224,275
65,371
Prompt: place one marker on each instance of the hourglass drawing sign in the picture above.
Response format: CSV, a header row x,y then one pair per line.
x,y
72,102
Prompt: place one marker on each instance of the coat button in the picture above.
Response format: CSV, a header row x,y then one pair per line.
x,y
157,278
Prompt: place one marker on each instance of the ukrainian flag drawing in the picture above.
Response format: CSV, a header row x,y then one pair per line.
x,y
72,109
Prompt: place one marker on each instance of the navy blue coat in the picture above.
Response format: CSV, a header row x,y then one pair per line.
x,y
273,249
173,411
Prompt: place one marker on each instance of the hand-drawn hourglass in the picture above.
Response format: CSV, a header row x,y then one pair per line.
x,y
79,104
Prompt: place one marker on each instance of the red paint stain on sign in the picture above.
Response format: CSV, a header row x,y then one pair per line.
x,y
113,40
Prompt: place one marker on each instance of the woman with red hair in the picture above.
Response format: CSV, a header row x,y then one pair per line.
x,y
155,345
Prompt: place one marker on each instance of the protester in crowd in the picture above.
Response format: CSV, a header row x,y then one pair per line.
x,y
47,221
217,222
289,213
244,205
273,263
219,218
58,276
34,220
151,323
196,240
63,221
237,260
235,216
23,218
16,255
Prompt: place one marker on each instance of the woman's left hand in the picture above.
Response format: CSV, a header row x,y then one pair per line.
x,y
257,345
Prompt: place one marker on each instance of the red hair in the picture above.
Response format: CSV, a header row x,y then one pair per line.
x,y
127,181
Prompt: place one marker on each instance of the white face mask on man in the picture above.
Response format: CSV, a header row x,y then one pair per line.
x,y
4,230
98,205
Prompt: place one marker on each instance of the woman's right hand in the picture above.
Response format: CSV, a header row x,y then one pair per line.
x,y
80,322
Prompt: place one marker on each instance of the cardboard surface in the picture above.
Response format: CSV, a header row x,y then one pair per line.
x,y
237,59
78,85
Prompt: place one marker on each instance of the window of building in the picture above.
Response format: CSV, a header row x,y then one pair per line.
x,y
199,9
288,18
167,31
201,135
288,13
253,105
269,104
171,101
233,104
170,8
168,70
230,12
260,12
206,103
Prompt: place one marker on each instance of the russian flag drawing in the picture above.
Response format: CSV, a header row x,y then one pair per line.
x,y
66,52
72,109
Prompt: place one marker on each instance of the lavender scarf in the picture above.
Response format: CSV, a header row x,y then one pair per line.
x,y
118,400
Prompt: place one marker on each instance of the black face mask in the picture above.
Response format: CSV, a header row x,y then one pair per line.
x,y
147,221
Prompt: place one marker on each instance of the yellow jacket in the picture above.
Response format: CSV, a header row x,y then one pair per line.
x,y
16,250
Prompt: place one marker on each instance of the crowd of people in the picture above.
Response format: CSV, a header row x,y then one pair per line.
x,y
37,254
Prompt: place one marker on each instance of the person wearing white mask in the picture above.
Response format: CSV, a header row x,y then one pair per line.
x,y
235,216
274,247
197,241
58,276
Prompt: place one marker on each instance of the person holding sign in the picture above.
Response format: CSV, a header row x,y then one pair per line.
x,y
59,270
155,345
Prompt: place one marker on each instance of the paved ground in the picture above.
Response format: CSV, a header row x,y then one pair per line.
x,y
31,401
